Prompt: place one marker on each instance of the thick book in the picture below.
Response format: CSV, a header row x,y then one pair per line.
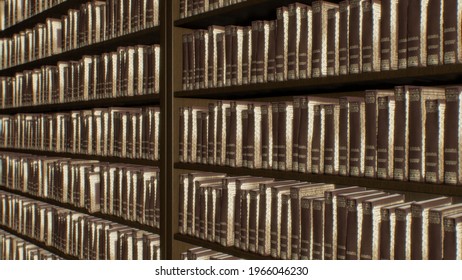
x,y
417,114
316,143
403,7
282,44
452,233
357,108
401,134
371,19
212,60
417,33
452,153
344,21
305,43
246,55
295,131
389,35
355,36
318,210
372,129
320,34
333,29
452,19
435,32
297,12
434,148
372,219
385,136
419,225
436,229
286,227
235,133
306,229
329,155
272,45
254,218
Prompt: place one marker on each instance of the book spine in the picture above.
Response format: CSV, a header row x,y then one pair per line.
x,y
356,139
274,229
282,35
275,125
253,231
198,137
293,43
304,59
450,239
371,135
316,141
355,39
330,139
386,35
204,141
328,227
351,252
261,52
246,56
451,32
367,50
385,236
303,136
228,55
401,128
385,126
435,32
251,156
400,249
367,232
416,232
432,145
435,235
236,49
219,201
265,139
318,232
284,239
271,69
282,141
403,33
344,138
305,230
318,29
343,38
451,139
295,133
416,159
263,224
212,135
245,129
295,213
341,229
332,42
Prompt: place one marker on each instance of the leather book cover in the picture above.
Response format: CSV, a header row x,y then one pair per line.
x,y
262,51
295,18
221,60
192,61
452,32
302,130
434,148
371,36
318,209
211,134
217,213
197,58
200,230
275,135
435,32
355,224
419,225
229,131
357,136
332,51
385,136
285,127
330,220
316,141
305,43
272,41
253,137
236,56
355,36
389,35
372,219
452,152
452,250
285,245
417,33
331,144
344,138
204,136
344,19
372,130
295,132
282,43
254,214
245,128
213,54
403,7
255,49
305,251
266,129
246,54
436,229
401,131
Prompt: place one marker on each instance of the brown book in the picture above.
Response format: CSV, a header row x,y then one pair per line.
x,y
342,224
435,32
211,134
282,35
295,131
434,148
246,54
302,139
331,123
355,36
236,70
333,30
275,134
401,131
316,140
330,220
372,129
385,136
266,129
403,7
306,229
451,33
192,62
419,225
217,214
245,129
372,219
221,60
417,113
371,35
272,41
344,138
228,46
254,218
284,238
198,137
344,19
417,33
389,35
262,51
245,196
357,136
305,43
451,236
295,18
436,229
213,53
452,152
255,48
318,228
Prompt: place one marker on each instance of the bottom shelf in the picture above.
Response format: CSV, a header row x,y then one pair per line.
x,y
219,248
39,244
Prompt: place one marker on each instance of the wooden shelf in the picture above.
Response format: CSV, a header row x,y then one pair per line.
x,y
431,75
147,36
448,190
126,101
54,12
39,244
219,248
111,218
82,156
237,14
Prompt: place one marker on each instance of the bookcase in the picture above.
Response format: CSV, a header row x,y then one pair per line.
x,y
171,97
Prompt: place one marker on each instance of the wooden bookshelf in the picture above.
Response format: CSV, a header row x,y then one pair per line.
x,y
219,248
54,12
107,217
146,36
125,101
39,244
83,156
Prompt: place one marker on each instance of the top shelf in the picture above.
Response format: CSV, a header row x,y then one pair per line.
x,y
237,14
422,76
53,12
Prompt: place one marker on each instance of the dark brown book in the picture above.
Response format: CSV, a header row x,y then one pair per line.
x,y
435,32
330,155
385,136
275,134
389,35
370,236
304,43
254,124
282,39
434,148
295,17
272,42
357,136
344,19
262,53
318,228
451,237
191,62
236,57
254,218
436,229
218,209
417,33
266,129
284,238
452,152
246,54
401,131
330,220
295,131
221,60
198,137
302,139
228,42
372,130
204,135
451,32
306,229
255,48
419,225
316,141
211,134
344,138
245,129
403,7
333,42
355,36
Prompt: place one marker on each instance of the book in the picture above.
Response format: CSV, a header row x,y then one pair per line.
x,y
355,31
403,8
389,35
417,33
371,20
333,29
282,45
344,23
297,13
451,33
401,134
436,229
435,32
451,148
451,235
385,136
434,150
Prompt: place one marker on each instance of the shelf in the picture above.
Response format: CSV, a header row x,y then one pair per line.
x,y
139,100
82,156
39,244
448,190
54,12
219,248
237,14
111,218
431,76
147,36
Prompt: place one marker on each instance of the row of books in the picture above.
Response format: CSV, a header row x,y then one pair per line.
x,y
122,190
129,71
325,39
411,133
95,22
301,220
194,7
119,132
15,248
199,253
76,234
15,11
